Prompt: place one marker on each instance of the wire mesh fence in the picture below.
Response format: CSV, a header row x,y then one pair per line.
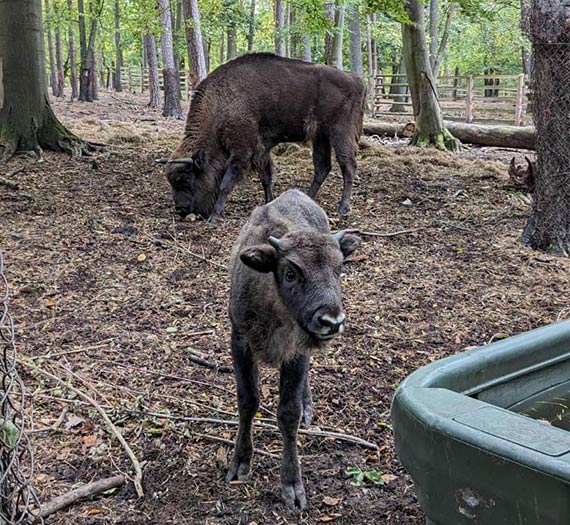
x,y
18,502
547,24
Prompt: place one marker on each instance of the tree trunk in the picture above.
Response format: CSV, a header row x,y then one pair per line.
x,y
27,122
176,17
222,47
60,75
52,69
307,50
232,41
152,61
196,59
498,136
118,50
251,27
287,29
430,129
279,35
548,227
442,49
88,76
329,13
355,41
71,55
171,106
433,29
338,35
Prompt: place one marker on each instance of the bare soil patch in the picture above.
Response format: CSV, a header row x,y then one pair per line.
x,y
107,284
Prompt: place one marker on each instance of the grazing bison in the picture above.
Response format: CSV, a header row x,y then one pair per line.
x,y
285,301
247,106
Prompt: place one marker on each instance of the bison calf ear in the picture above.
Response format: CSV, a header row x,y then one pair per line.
x,y
347,241
262,258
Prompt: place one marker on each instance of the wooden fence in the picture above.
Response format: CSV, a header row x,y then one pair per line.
x,y
135,80
485,99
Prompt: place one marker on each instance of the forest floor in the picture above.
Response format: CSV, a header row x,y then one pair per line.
x,y
112,293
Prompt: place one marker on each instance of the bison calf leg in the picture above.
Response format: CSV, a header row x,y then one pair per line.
x,y
321,162
308,413
245,369
234,173
266,177
346,157
292,385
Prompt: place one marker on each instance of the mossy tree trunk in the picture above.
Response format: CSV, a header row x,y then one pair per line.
x,y
548,227
430,130
27,122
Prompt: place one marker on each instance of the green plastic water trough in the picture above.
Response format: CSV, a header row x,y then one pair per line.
x,y
461,434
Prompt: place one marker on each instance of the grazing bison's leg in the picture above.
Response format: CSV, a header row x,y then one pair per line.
x,y
308,413
245,369
292,384
266,177
235,171
346,157
321,162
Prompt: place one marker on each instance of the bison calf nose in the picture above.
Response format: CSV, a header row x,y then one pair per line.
x,y
326,325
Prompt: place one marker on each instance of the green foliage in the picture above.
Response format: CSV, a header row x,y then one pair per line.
x,y
360,477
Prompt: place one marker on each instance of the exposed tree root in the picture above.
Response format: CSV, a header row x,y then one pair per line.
x,y
442,140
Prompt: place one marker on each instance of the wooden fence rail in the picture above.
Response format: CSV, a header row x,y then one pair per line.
x,y
135,80
476,98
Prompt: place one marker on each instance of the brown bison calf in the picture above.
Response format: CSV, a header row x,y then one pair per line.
x,y
247,106
285,301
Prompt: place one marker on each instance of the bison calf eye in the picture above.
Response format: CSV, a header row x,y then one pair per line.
x,y
290,276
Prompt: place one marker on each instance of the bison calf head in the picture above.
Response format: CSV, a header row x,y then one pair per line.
x,y
307,269
193,189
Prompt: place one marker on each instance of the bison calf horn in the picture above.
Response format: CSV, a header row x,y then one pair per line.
x,y
182,160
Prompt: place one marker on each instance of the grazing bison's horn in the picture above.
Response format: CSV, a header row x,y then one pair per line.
x,y
337,236
275,242
182,160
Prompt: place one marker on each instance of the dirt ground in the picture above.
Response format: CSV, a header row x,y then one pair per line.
x,y
113,294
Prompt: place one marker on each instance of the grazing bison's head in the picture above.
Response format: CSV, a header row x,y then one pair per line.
x,y
193,187
307,267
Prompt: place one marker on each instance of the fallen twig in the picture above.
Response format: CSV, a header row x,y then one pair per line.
x,y
138,471
85,491
195,357
194,254
390,234
349,438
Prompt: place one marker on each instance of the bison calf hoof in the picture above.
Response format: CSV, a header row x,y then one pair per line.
x,y
239,470
213,219
343,209
293,495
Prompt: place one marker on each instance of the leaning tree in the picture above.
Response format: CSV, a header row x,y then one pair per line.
x,y
547,23
430,129
27,122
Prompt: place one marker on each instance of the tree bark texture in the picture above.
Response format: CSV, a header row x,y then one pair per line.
x,y
338,35
429,122
51,55
195,45
152,61
71,56
27,122
118,50
442,48
171,106
251,27
279,37
498,136
232,41
355,40
88,75
548,227
60,75
433,30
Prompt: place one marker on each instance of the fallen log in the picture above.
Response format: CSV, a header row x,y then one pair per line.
x,y
499,136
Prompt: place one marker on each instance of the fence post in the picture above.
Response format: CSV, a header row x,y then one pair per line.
x,y
469,101
520,100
